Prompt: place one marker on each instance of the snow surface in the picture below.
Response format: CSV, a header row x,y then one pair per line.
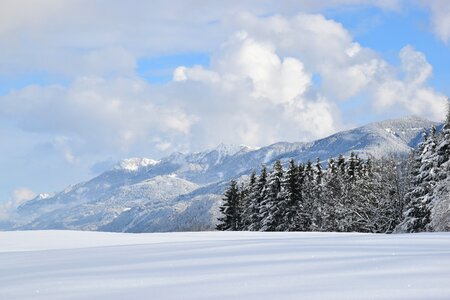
x,y
223,265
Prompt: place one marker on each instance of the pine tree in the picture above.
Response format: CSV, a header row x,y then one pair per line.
x,y
249,206
229,208
332,194
270,212
308,196
418,211
440,202
443,148
350,194
377,197
291,200
242,205
317,203
257,196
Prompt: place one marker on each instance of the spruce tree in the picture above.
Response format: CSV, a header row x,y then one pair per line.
x,y
229,208
249,206
332,195
418,210
440,201
317,202
308,195
270,213
257,195
291,200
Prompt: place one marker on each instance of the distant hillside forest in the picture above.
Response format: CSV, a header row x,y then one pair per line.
x,y
349,195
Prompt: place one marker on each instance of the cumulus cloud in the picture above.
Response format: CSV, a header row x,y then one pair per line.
x,y
259,97
284,76
408,91
440,18
96,114
18,197
87,37
257,89
324,46
347,69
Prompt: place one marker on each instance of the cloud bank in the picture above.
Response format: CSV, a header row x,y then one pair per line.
x,y
277,71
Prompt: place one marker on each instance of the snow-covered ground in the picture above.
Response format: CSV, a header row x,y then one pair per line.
x,y
223,265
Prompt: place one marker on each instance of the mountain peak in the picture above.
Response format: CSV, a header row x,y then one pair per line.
x,y
230,149
182,191
135,163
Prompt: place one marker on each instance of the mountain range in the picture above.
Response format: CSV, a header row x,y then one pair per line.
x,y
182,191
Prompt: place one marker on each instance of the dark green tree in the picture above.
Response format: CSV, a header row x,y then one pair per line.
x,y
230,208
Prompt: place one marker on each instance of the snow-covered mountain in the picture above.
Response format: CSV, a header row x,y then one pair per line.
x,y
181,191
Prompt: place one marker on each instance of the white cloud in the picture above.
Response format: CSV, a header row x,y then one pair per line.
x,y
346,68
18,197
88,37
258,89
409,91
281,77
324,46
257,96
440,18
415,65
95,114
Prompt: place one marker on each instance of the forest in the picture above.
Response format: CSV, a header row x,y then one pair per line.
x,y
347,194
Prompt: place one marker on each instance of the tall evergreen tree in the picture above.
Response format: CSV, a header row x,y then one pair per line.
x,y
270,212
308,195
257,196
317,203
418,211
440,202
249,205
291,204
229,208
333,208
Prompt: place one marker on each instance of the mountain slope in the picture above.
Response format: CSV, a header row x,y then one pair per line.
x,y
181,191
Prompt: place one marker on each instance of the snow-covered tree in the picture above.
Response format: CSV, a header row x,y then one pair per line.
x,y
248,206
440,204
418,208
291,203
333,207
270,212
229,208
257,196
308,195
318,196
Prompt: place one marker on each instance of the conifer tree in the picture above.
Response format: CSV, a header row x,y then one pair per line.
x,y
317,203
332,195
308,196
270,212
249,206
304,213
349,195
257,195
440,201
229,208
291,200
242,205
418,210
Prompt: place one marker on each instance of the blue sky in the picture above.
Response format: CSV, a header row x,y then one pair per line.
x,y
83,85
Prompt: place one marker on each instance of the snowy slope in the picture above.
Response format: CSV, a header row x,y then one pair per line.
x,y
223,265
180,192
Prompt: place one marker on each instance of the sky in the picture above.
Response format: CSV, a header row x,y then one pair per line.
x,y
85,83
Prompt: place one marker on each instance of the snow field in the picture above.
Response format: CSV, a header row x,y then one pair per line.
x,y
223,265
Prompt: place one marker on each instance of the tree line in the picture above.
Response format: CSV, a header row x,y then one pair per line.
x,y
349,194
